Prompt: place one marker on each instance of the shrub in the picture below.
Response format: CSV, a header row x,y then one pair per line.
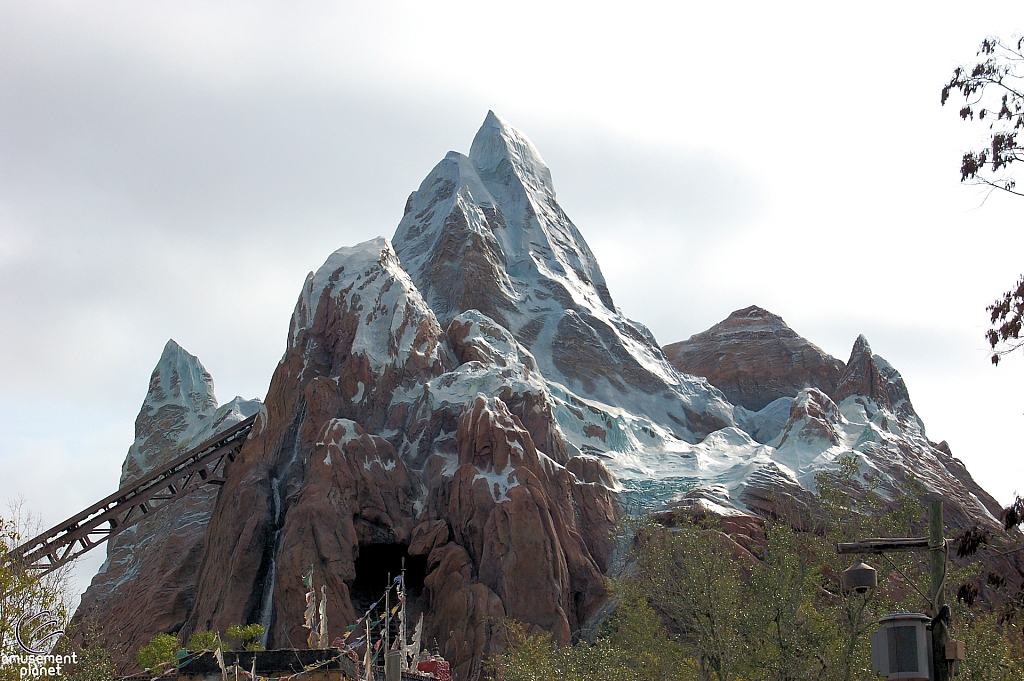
x,y
161,651
203,640
249,635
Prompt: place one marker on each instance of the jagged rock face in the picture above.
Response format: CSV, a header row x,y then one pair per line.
x,y
485,232
862,376
813,418
755,358
380,430
827,410
873,419
153,564
512,521
360,331
477,406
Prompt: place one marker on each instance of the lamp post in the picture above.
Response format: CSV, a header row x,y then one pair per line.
x,y
940,613
936,545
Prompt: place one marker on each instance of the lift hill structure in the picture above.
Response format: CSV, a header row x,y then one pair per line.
x,y
202,465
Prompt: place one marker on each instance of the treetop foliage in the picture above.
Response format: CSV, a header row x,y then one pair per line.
x,y
992,91
695,605
24,593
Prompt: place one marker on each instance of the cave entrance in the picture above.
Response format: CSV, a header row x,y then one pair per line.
x,y
374,564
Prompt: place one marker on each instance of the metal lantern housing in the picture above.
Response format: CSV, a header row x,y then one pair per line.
x,y
860,577
901,648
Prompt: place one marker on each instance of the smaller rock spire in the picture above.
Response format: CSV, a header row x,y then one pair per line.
x,y
862,376
179,378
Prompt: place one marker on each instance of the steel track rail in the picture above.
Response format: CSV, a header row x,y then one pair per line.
x,y
201,465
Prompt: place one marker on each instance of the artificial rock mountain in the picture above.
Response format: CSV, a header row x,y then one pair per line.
x,y
154,562
468,396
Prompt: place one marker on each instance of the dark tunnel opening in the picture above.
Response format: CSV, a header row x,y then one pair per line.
x,y
373,567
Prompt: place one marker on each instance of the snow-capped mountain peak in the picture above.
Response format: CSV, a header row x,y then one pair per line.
x,y
498,148
180,410
179,378
485,232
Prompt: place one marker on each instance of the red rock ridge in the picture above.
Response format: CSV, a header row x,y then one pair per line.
x,y
360,448
754,358
147,584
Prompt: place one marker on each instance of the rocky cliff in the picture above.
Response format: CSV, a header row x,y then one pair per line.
x,y
755,358
147,583
816,410
485,232
387,438
468,402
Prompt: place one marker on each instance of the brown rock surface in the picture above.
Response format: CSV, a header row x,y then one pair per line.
x,y
510,510
442,448
754,358
812,417
153,564
485,232
360,331
862,377
385,438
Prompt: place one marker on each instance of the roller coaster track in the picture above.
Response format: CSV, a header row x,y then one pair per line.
x,y
202,465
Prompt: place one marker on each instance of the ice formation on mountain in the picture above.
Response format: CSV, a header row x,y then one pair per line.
x,y
485,232
485,235
155,561
469,394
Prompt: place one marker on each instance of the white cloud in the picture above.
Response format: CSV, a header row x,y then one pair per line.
x,y
174,170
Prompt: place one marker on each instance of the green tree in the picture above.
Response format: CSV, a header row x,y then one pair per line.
x,y
94,661
633,647
24,592
94,664
249,635
160,653
530,656
789,636
691,574
203,640
994,650
635,630
774,613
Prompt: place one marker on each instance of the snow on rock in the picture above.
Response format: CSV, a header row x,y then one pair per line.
x,y
178,405
768,423
154,563
367,278
472,392
755,358
512,509
367,438
485,232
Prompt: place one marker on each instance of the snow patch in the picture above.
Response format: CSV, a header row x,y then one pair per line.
x,y
498,482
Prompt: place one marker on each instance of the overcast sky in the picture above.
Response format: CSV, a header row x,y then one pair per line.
x,y
173,170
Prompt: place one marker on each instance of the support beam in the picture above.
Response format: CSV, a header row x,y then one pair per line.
x,y
888,545
938,548
111,516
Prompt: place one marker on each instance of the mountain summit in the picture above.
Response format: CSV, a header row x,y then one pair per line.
x,y
485,232
466,403
755,358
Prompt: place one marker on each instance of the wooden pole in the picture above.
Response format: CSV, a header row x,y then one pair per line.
x,y
937,545
387,616
884,545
